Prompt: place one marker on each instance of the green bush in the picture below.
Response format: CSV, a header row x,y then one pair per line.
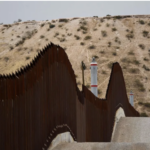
x,y
118,17
88,86
88,37
114,29
6,58
125,60
134,70
99,91
77,37
147,105
146,68
42,24
142,46
143,115
104,33
145,33
102,20
114,53
109,65
27,58
139,85
141,22
145,59
42,36
130,36
11,47
91,47
102,52
60,25
83,28
131,53
107,25
51,25
103,72
136,62
140,103
82,43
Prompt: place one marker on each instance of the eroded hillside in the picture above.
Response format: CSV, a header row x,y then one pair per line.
x,y
109,39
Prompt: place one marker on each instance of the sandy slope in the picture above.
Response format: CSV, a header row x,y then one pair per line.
x,y
64,34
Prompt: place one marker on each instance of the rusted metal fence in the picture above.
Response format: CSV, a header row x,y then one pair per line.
x,y
43,100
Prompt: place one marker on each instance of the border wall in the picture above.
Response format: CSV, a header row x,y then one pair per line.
x,y
43,100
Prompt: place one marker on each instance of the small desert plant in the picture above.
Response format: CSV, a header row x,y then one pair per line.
x,y
94,29
141,22
42,36
114,53
56,34
146,68
60,25
27,58
104,33
134,70
102,52
114,29
148,24
118,17
11,47
142,46
136,62
130,36
139,85
69,34
82,43
143,114
145,33
83,28
42,24
146,104
125,60
95,56
99,91
116,39
19,42
140,103
63,20
91,47
145,59
109,65
78,83
103,72
62,39
78,29
88,85
102,20
127,30
51,25
6,58
46,39
131,53
77,37
88,37
26,27
107,25
109,44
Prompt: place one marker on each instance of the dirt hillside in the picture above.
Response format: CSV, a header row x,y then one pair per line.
x,y
123,39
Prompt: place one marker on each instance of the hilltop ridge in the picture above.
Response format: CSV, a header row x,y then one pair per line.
x,y
123,39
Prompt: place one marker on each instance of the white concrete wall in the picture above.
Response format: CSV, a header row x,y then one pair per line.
x,y
119,113
61,138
